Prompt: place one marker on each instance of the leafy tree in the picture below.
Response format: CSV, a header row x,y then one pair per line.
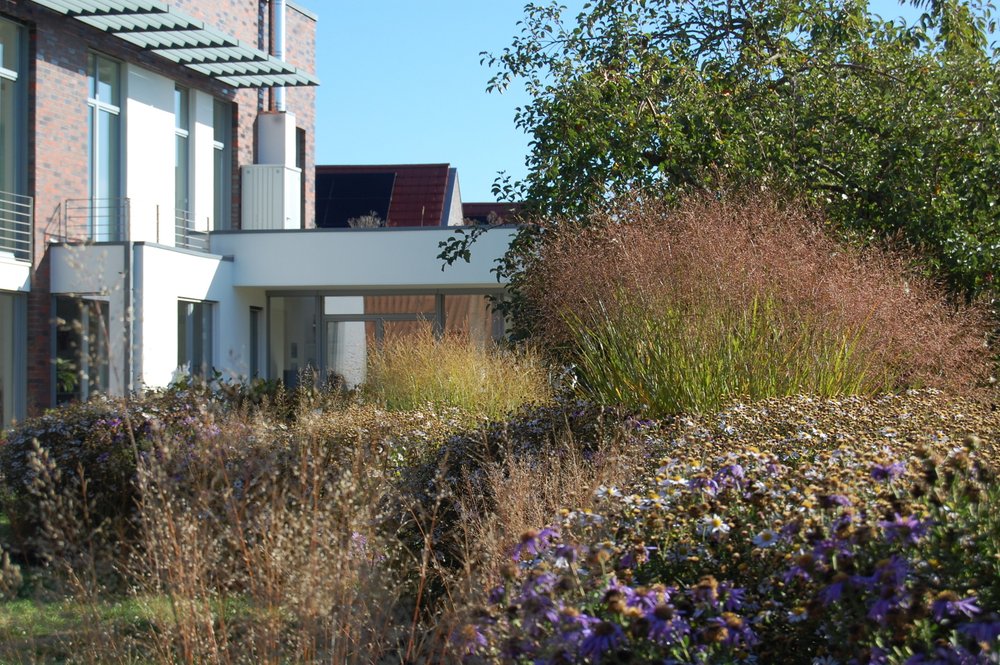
x,y
892,127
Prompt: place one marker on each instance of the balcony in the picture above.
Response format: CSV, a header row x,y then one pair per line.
x,y
186,236
16,213
95,220
121,220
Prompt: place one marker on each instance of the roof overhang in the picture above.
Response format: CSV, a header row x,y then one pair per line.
x,y
155,26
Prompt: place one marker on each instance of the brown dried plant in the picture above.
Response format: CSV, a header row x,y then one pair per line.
x,y
714,255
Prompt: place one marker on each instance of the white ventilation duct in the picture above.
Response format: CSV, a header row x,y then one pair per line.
x,y
277,25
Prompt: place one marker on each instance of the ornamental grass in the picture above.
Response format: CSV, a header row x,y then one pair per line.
x,y
412,371
679,309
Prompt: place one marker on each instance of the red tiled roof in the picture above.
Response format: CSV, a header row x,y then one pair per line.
x,y
418,195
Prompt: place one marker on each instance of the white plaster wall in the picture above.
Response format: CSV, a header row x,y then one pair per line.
x,y
202,138
87,269
359,258
97,272
14,275
454,212
165,276
149,135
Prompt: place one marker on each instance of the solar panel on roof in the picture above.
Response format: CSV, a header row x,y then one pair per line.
x,y
343,196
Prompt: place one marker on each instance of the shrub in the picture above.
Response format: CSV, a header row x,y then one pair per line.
x,y
409,372
794,531
83,457
683,308
484,485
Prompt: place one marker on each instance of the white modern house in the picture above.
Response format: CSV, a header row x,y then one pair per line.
x,y
157,208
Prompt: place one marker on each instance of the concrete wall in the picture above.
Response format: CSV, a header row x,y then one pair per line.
x,y
149,155
161,277
397,258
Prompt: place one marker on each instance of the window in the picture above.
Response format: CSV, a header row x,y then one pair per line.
x,y
182,154
300,162
104,140
15,208
255,316
13,353
12,108
194,337
81,362
222,128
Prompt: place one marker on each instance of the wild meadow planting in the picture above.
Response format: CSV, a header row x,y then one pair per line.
x,y
764,447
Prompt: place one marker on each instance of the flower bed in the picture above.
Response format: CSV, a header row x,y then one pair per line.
x,y
795,531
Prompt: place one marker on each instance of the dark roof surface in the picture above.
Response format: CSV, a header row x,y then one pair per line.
x,y
416,195
479,213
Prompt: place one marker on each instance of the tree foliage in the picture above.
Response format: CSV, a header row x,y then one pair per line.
x,y
893,127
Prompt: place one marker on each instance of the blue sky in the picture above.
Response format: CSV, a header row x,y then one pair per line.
x,y
402,83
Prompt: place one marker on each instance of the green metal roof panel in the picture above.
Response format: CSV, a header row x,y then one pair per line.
x,y
157,27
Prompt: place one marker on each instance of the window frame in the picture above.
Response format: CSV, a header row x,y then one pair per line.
x,y
111,207
203,312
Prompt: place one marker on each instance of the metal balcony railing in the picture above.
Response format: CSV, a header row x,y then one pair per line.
x,y
95,220
186,236
16,214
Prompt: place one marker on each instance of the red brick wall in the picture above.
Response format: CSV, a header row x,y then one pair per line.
x,y
57,125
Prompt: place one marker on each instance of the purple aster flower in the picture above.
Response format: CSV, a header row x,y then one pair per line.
x,y
833,500
880,608
708,484
888,471
730,475
539,611
575,626
567,553
468,639
906,529
737,631
981,631
666,626
497,594
538,583
732,597
604,637
534,542
947,604
832,593
948,654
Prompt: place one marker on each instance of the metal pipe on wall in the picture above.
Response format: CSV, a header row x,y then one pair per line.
x,y
276,23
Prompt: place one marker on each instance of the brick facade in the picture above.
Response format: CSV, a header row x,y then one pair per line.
x,y
59,48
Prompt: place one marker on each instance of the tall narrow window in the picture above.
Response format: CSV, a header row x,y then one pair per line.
x,y
222,128
104,106
255,317
182,152
194,337
81,348
300,162
15,208
182,164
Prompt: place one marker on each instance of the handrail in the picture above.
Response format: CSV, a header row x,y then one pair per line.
x,y
16,216
95,220
186,236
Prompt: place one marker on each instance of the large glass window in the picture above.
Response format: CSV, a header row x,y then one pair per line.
x,y
104,107
222,128
13,341
11,107
194,337
81,348
256,314
15,208
182,152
